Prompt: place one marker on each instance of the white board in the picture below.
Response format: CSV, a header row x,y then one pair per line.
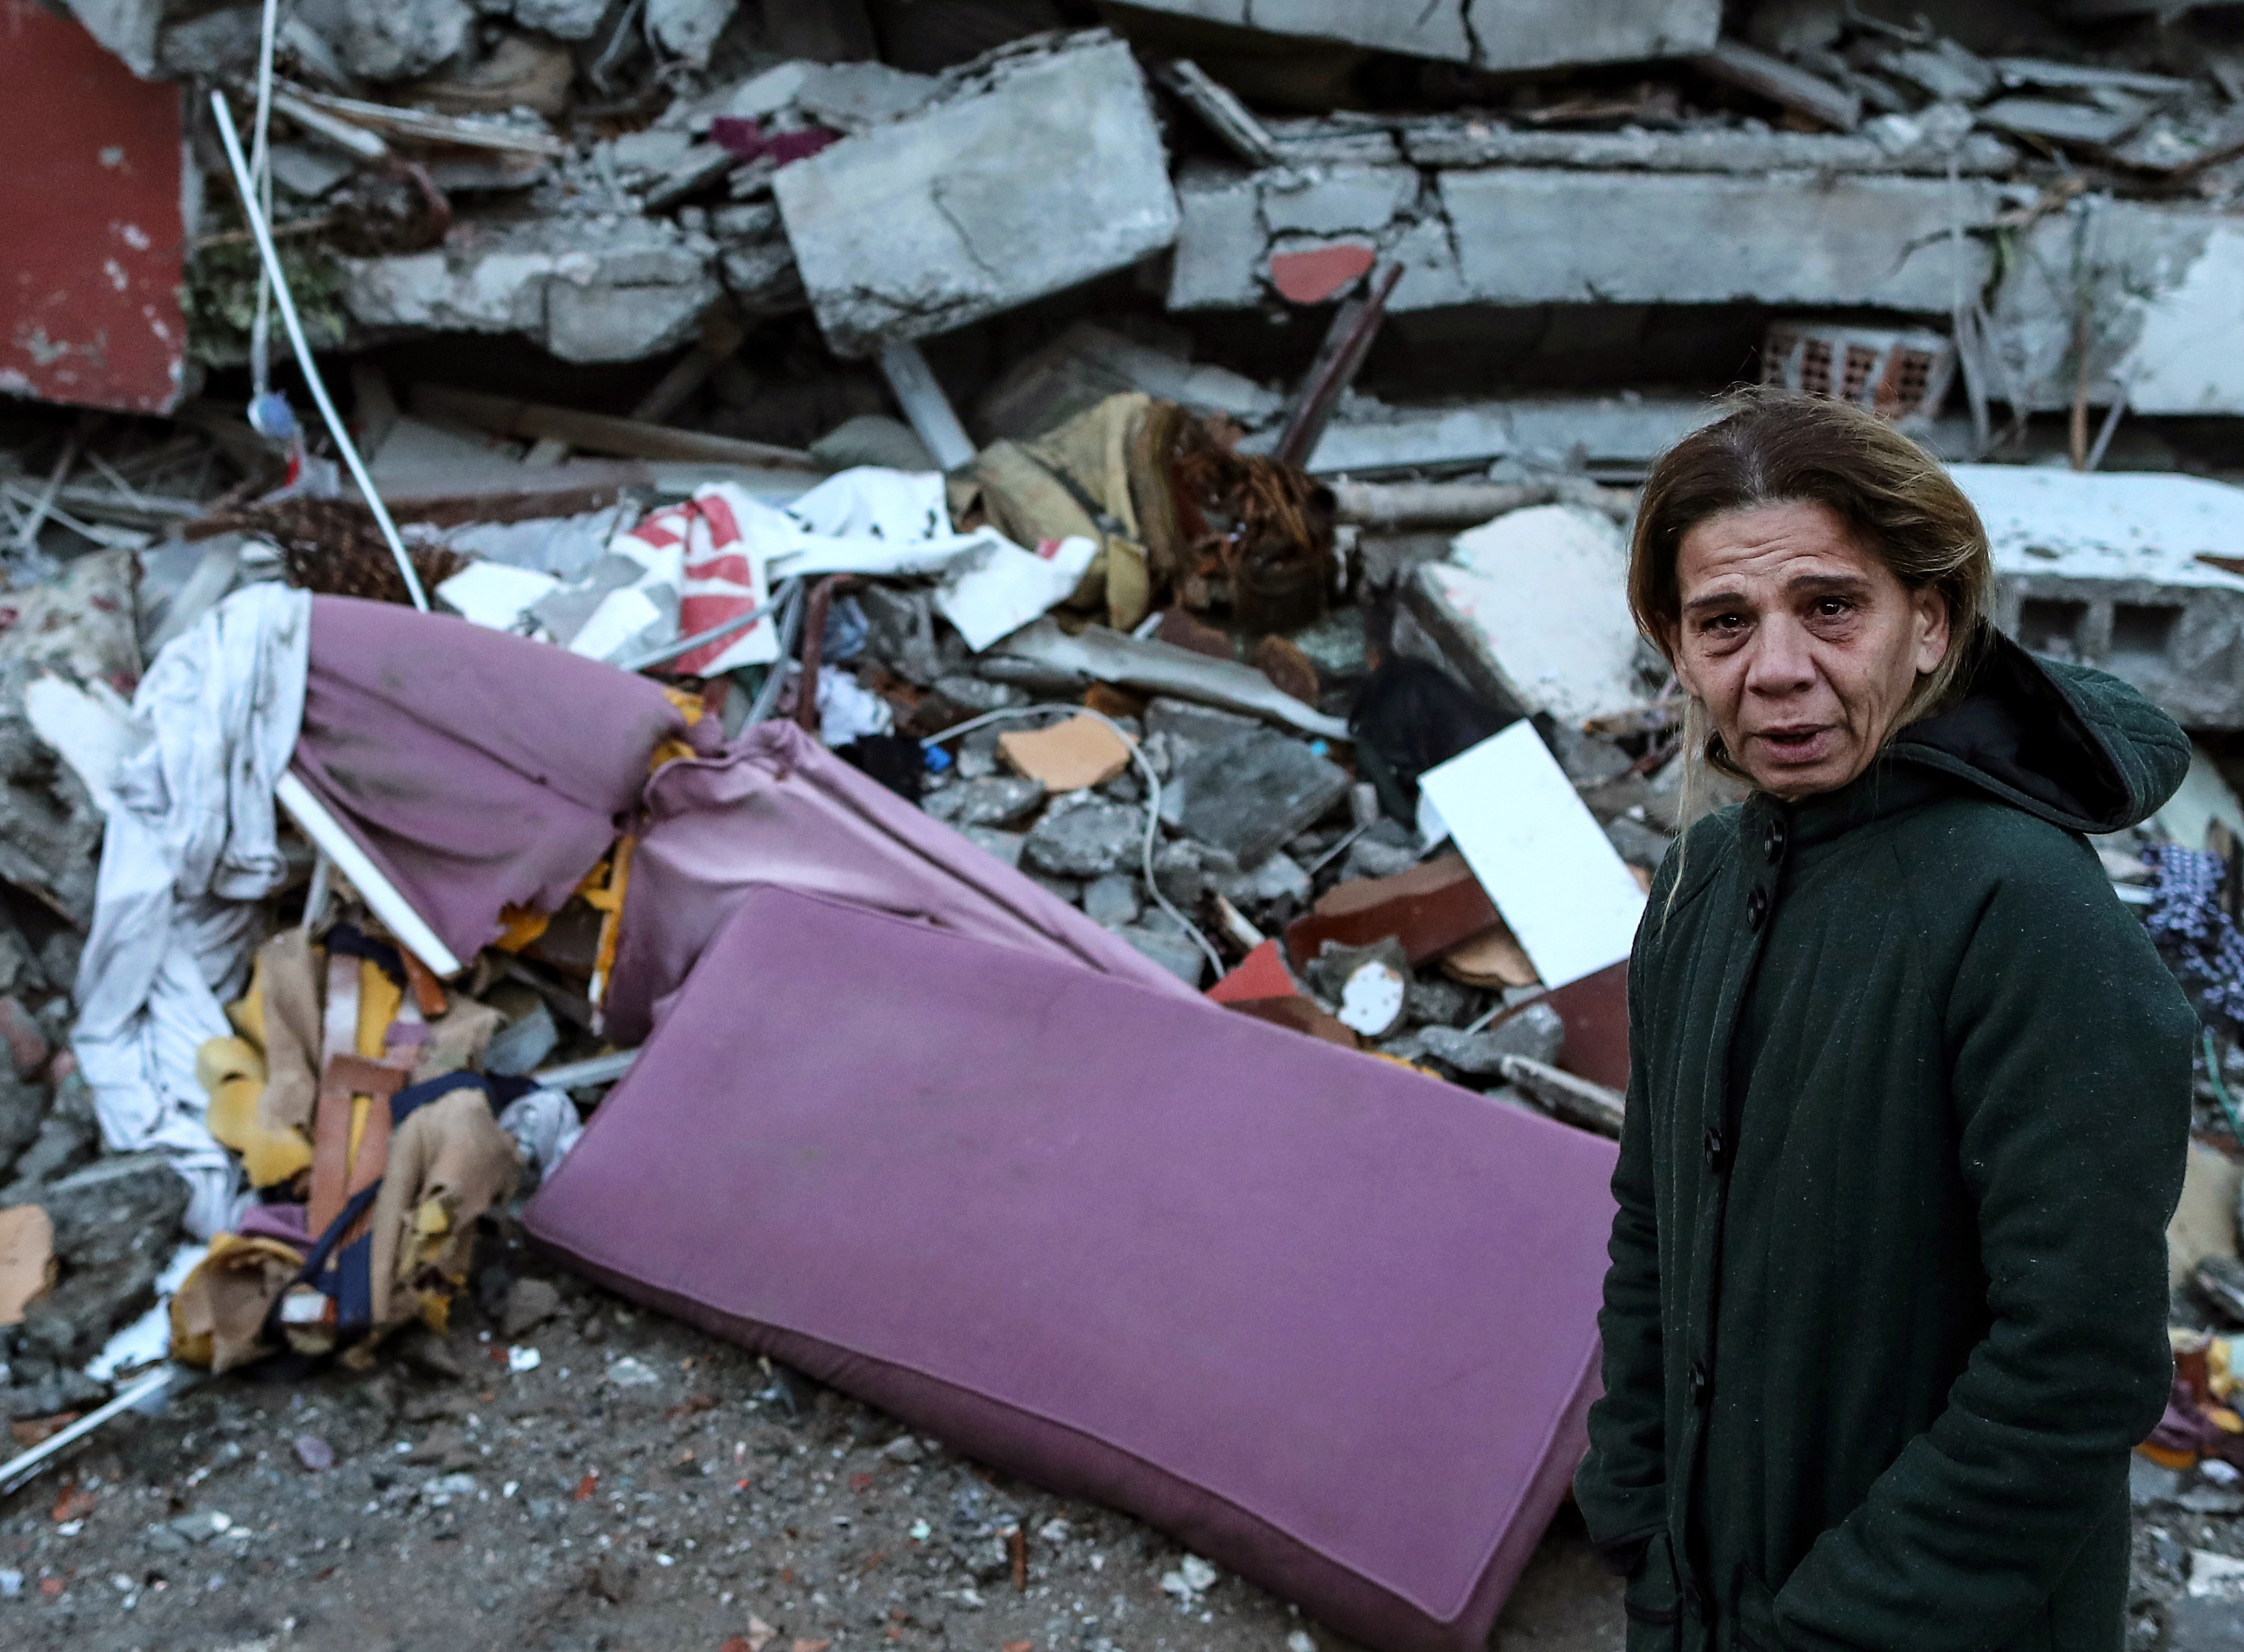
x,y
1539,853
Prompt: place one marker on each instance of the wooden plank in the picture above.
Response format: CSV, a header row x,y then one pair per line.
x,y
595,432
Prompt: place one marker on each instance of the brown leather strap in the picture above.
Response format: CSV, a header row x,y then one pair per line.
x,y
336,1173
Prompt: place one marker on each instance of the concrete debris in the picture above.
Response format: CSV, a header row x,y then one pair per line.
x,y
1088,841
1485,33
688,28
1252,793
903,321
392,41
587,290
1528,612
2137,574
1535,1032
929,223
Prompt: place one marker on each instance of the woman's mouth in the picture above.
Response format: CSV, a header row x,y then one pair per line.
x,y
1798,743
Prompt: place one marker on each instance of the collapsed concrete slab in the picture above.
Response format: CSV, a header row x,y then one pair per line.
x,y
1489,34
611,288
2159,285
2139,575
1550,432
1516,236
1529,612
932,222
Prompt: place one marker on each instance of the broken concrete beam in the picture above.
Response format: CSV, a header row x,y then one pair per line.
x,y
1512,236
1392,506
1546,431
932,222
1255,791
1575,1100
2141,576
1889,143
1489,34
1737,65
611,289
1531,612
1218,105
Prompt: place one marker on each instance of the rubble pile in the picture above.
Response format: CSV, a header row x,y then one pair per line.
x,y
909,456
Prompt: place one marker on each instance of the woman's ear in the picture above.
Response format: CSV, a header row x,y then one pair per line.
x,y
1931,617
1669,635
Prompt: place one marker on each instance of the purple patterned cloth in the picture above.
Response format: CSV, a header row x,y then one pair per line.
x,y
2195,933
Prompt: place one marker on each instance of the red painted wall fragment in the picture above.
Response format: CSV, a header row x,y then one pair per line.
x,y
91,230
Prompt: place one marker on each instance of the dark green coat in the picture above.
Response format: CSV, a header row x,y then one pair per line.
x,y
1907,1117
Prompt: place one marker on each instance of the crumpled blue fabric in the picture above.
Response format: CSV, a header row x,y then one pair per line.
x,y
2199,938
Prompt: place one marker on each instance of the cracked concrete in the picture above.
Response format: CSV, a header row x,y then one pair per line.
x,y
927,222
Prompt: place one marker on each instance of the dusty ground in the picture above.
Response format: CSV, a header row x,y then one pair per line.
x,y
643,1488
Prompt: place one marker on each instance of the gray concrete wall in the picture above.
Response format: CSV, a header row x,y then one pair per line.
x,y
1524,235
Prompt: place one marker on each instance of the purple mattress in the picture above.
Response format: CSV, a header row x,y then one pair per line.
x,y
1323,1319
777,807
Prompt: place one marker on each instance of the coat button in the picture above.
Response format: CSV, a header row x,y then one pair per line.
x,y
1714,1146
1701,1384
1773,841
1756,908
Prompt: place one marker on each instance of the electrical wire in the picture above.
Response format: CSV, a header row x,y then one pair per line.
x,y
266,250
1152,798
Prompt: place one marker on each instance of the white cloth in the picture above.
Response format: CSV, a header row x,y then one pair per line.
x,y
726,547
191,849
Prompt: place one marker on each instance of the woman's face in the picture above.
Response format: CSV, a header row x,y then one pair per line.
x,y
1802,643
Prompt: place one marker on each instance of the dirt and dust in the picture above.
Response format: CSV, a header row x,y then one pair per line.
x,y
610,1479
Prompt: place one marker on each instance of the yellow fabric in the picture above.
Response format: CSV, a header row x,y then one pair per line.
x,y
247,1012
362,1109
608,901
232,1072
218,1313
674,750
521,925
379,1001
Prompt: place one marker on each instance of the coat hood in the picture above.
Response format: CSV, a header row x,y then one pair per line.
x,y
2074,745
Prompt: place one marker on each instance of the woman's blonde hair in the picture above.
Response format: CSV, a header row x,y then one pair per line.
x,y
1776,447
